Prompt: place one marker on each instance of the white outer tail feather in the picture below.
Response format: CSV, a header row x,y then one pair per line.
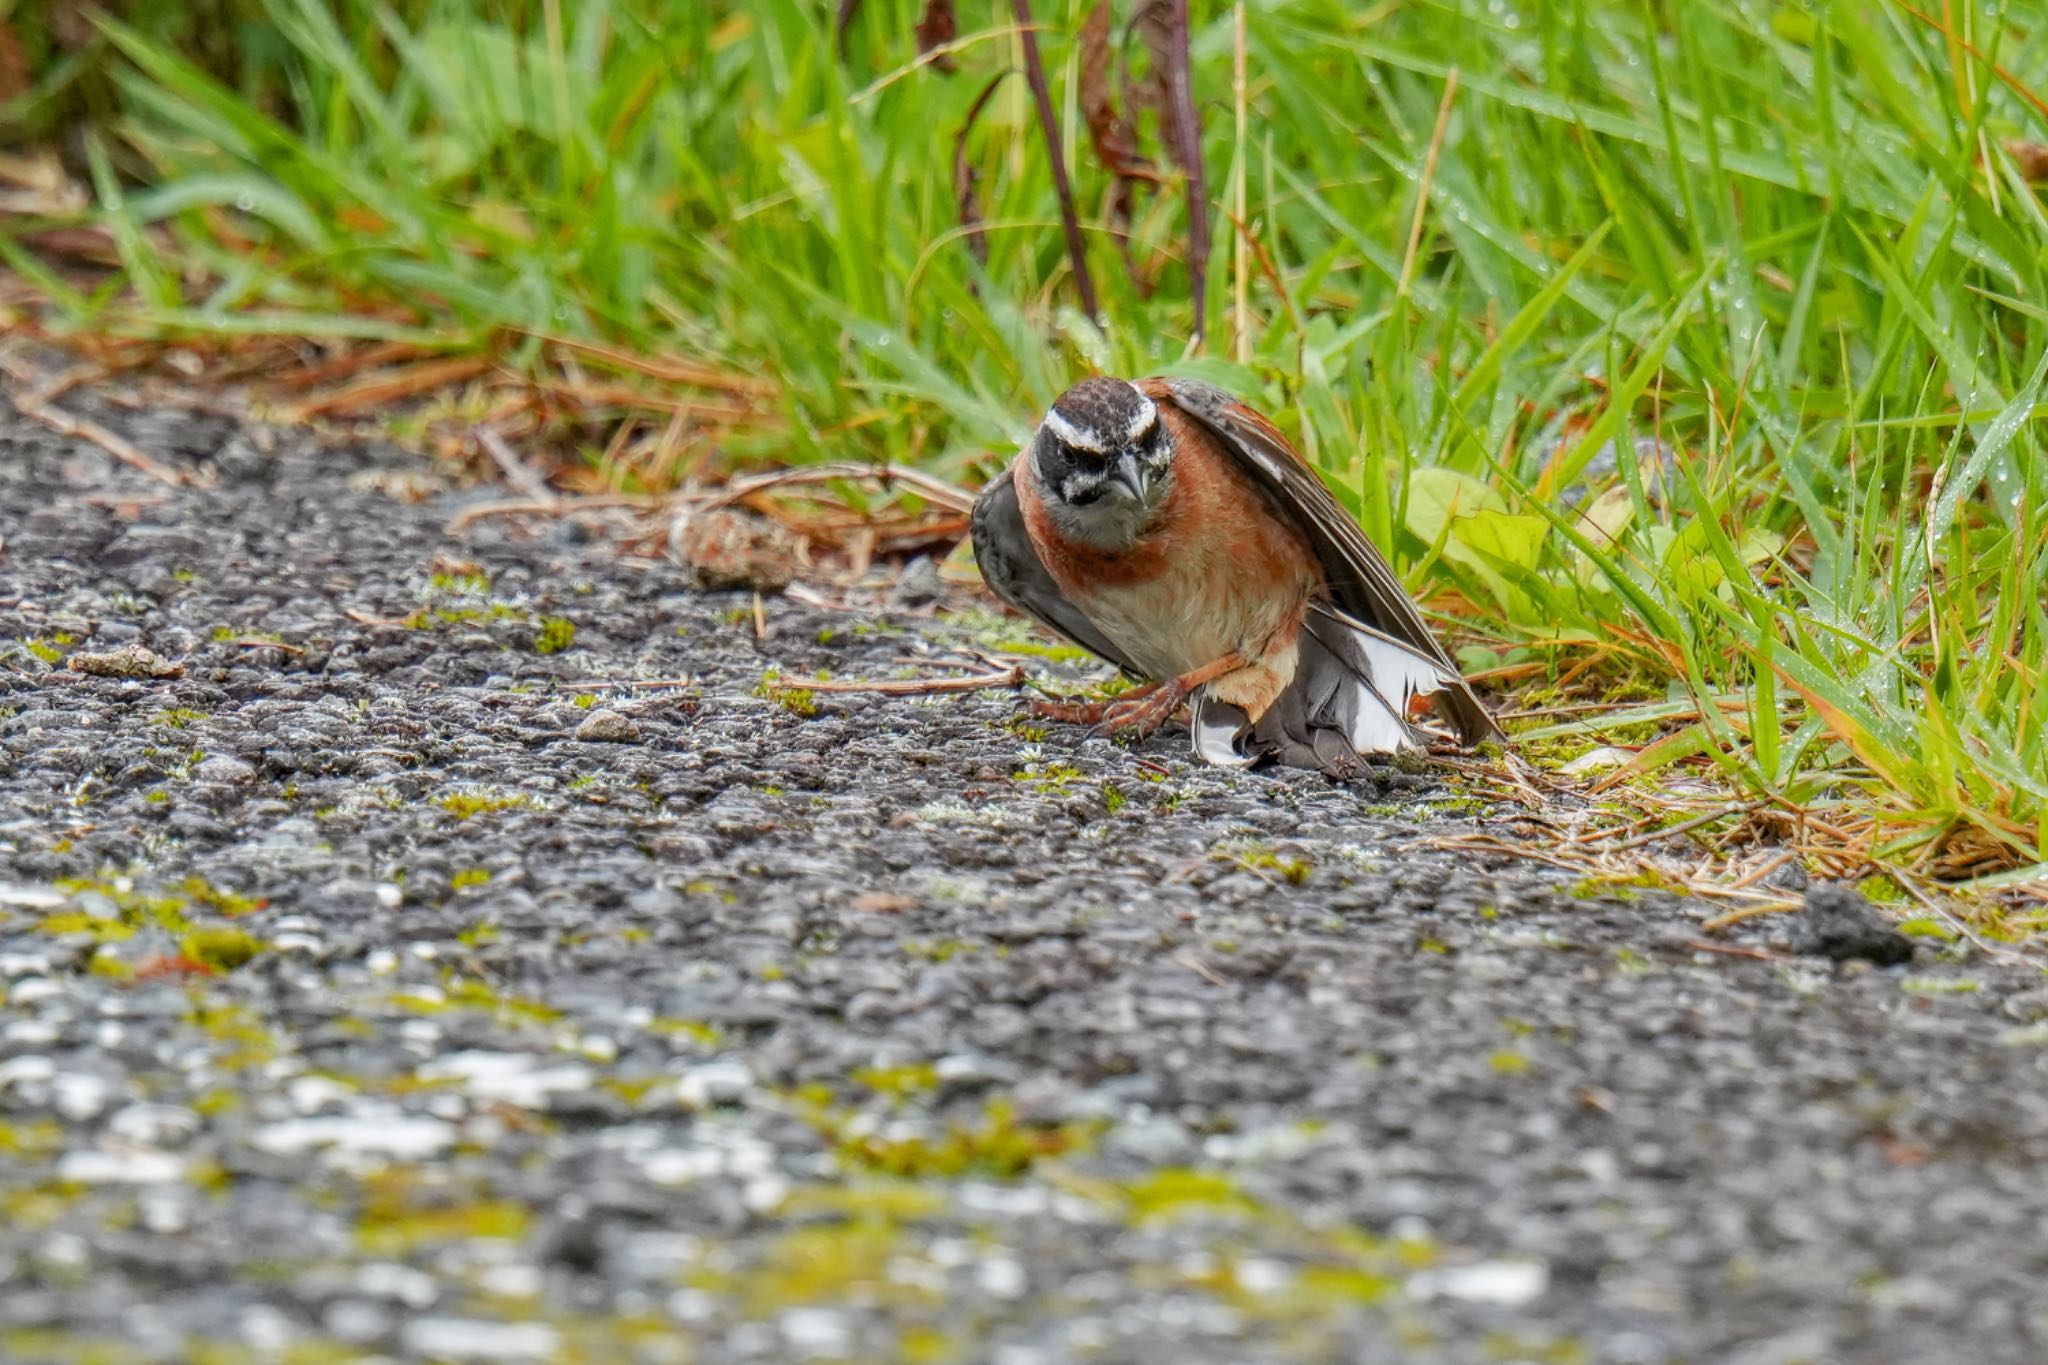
x,y
1351,679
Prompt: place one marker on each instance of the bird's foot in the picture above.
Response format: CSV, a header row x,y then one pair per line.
x,y
1088,712
1141,716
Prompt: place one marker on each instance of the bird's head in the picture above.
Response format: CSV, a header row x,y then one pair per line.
x,y
1105,461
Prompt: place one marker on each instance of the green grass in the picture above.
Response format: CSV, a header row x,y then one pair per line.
x,y
1788,242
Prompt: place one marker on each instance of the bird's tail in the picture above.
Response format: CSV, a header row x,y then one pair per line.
x,y
1350,695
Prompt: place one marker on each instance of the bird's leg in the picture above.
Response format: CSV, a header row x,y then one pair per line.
x,y
1139,717
1088,712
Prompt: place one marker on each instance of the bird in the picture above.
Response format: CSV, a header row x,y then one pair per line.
x,y
1171,530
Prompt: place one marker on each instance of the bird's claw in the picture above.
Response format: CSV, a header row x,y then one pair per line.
x,y
1088,712
1140,717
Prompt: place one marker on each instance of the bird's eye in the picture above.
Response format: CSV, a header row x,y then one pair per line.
x,y
1082,457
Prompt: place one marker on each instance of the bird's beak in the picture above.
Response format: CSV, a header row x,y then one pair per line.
x,y
1129,471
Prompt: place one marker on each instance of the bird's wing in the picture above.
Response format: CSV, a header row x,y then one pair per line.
x,y
1010,565
1361,581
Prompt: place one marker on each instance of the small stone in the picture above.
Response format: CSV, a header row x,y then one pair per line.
x,y
226,772
1836,922
1597,760
401,1137
478,1339
129,661
1508,1284
919,586
608,727
713,1083
120,1168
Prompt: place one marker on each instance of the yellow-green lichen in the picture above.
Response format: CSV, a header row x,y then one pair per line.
x,y
466,805
556,634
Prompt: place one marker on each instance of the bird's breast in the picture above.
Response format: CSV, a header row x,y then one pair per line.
x,y
1218,571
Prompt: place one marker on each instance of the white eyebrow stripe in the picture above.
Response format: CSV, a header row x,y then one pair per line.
x,y
1144,421
1071,434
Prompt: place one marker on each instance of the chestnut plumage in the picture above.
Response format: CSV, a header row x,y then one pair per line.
x,y
1173,531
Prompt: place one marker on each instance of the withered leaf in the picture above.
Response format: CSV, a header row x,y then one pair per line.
x,y
2031,157
1163,24
1116,142
936,27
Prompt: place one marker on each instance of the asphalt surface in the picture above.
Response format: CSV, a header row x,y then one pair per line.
x,y
385,988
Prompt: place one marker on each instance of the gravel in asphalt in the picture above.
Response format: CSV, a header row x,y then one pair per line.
x,y
384,988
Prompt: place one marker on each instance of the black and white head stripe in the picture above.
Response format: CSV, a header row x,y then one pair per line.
x,y
1101,416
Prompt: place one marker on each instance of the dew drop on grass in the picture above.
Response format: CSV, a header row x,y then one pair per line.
x,y
246,203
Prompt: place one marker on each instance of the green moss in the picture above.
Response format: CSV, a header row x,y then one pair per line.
x,y
997,1146
460,992
57,1346
472,584
917,1344
1925,927
106,964
830,1263
230,903
222,948
209,1103
246,1039
391,1227
465,805
470,876
1172,1191
705,1035
78,922
888,1200
798,701
632,1090
937,949
44,650
32,1140
1113,800
177,717
556,634
1024,727
177,914
1509,1061
1555,752
1617,888
897,1082
1047,777
1345,1282
1257,857
1940,985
